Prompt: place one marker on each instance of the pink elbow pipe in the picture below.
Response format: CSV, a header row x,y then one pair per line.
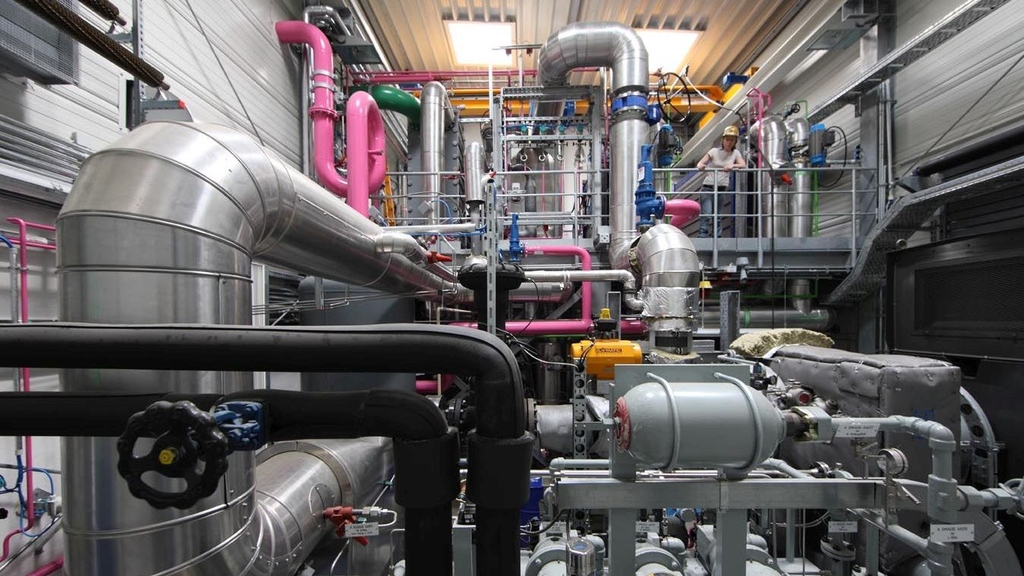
x,y
556,327
365,128
683,211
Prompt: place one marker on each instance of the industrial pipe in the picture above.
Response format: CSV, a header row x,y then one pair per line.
x,y
437,115
562,327
364,138
396,100
408,347
801,200
476,180
619,47
943,496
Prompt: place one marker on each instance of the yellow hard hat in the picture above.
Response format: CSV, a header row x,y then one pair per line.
x,y
731,131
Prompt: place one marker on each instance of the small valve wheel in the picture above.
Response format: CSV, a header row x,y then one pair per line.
x,y
187,445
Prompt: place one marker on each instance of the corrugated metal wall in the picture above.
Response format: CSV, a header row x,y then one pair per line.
x,y
241,31
931,93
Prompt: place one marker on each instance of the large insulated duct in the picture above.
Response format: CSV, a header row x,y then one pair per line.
x,y
770,135
474,187
619,47
801,200
161,227
671,274
436,115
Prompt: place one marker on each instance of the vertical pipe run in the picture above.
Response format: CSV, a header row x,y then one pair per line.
x,y
365,138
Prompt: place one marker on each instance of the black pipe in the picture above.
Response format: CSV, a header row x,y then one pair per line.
x,y
67,20
500,448
976,155
289,415
381,348
106,9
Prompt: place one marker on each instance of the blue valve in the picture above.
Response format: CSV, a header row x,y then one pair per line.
x,y
649,205
243,423
516,249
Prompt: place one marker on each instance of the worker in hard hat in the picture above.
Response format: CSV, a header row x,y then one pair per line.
x,y
721,159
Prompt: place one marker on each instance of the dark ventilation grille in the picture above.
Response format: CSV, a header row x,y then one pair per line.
x,y
971,299
961,297
31,47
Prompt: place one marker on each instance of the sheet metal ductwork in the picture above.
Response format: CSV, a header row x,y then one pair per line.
x,y
161,227
619,47
671,273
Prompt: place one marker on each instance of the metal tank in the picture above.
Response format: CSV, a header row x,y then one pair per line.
x,y
722,424
770,135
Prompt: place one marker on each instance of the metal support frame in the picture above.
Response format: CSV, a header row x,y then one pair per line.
x,y
885,68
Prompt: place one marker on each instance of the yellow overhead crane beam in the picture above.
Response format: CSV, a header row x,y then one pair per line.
x,y
474,102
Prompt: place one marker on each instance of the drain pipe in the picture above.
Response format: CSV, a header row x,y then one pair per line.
x,y
365,140
619,47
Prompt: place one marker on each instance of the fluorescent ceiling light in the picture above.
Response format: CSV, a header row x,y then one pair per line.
x,y
667,49
474,43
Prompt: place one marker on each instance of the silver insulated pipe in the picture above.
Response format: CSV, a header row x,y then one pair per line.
x,y
436,113
801,220
770,135
474,187
619,47
161,227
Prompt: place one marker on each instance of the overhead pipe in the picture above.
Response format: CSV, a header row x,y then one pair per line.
x,y
396,100
619,47
364,137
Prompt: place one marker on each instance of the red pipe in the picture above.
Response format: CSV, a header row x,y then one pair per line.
x,y
48,568
364,139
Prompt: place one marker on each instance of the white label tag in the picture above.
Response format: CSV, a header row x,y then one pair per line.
x,y
639,174
363,529
843,527
855,429
953,532
645,527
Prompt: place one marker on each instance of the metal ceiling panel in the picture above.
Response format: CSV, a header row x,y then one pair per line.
x,y
415,37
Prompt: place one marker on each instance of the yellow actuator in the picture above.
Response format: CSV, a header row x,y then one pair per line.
x,y
601,354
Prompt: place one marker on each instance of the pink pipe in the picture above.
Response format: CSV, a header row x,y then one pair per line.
x,y
26,374
364,140
430,386
48,568
556,327
683,211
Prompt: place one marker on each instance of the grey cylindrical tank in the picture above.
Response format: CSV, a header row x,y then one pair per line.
x,y
723,424
380,309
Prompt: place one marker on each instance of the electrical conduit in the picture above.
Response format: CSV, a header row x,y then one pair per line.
x,y
365,140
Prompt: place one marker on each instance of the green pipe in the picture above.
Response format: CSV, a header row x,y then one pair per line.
x,y
391,98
